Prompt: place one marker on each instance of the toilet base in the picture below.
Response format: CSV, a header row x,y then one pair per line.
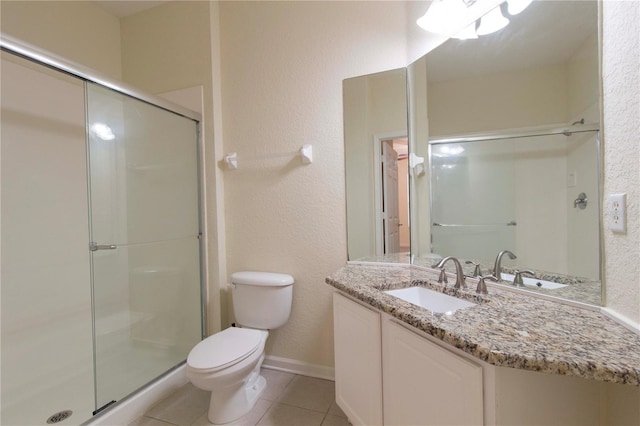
x,y
227,407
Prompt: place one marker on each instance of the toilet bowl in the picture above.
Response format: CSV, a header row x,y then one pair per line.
x,y
228,363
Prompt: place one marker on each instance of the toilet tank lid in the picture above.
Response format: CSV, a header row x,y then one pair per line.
x,y
261,278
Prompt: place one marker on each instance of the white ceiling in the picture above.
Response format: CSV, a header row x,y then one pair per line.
x,y
124,8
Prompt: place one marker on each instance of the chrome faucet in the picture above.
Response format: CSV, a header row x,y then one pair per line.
x,y
476,268
442,278
482,286
460,283
517,278
497,268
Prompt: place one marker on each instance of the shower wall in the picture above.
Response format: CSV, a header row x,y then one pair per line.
x,y
47,356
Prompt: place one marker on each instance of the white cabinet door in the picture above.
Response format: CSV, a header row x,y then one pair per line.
x,y
425,384
358,364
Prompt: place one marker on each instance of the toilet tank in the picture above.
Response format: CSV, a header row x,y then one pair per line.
x,y
261,300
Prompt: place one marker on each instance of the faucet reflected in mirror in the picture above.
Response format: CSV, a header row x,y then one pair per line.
x,y
497,267
503,173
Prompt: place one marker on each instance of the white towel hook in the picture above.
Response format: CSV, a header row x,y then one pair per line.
x,y
306,152
231,160
414,160
416,164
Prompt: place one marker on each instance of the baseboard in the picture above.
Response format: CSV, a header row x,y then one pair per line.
x,y
299,367
135,405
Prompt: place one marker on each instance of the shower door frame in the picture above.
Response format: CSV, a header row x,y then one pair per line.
x,y
32,53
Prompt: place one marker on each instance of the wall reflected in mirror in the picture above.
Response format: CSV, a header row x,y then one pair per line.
x,y
376,157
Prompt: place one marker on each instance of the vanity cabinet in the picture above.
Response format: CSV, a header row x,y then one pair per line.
x,y
358,361
390,373
425,384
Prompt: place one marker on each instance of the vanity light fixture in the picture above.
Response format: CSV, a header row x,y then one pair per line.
x,y
516,6
467,33
444,17
492,22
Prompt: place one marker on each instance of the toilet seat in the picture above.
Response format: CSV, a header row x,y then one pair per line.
x,y
224,349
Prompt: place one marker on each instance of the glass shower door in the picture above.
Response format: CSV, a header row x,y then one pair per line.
x,y
473,190
143,168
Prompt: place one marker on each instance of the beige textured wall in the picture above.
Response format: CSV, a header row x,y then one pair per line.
x,y
170,47
79,31
283,66
621,86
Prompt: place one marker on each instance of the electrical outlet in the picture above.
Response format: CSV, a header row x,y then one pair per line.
x,y
617,204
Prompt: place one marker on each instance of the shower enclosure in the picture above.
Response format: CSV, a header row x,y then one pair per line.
x,y
519,192
101,264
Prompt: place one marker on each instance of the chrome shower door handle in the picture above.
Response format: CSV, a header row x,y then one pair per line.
x,y
93,246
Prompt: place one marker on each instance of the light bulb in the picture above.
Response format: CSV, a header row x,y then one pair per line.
x,y
467,33
492,22
442,16
516,6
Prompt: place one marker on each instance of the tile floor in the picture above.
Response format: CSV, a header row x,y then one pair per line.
x,y
288,400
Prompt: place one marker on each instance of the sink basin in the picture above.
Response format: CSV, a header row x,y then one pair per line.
x,y
429,299
533,282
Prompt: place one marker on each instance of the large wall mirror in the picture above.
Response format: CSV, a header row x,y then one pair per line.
x,y
508,127
376,157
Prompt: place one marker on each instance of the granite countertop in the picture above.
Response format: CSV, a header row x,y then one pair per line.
x,y
505,328
579,289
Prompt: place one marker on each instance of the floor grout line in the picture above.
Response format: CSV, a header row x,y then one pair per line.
x,y
325,417
160,420
303,408
271,405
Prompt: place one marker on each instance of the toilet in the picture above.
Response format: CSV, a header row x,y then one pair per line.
x,y
228,363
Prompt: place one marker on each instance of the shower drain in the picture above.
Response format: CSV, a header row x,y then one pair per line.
x,y
60,416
